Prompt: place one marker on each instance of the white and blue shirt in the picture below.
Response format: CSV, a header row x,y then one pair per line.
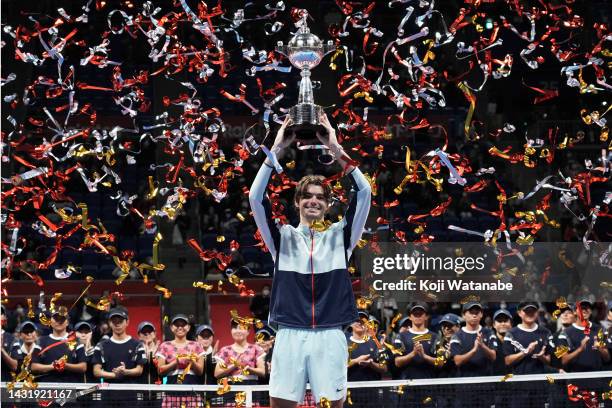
x,y
311,286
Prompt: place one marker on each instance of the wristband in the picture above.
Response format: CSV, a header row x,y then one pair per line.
x,y
266,164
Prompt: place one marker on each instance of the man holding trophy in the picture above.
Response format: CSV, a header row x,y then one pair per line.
x,y
312,296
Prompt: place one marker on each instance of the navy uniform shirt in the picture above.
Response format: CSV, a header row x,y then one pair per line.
x,y
110,353
7,343
417,367
88,375
360,348
19,353
518,339
463,341
499,365
553,343
210,362
608,365
74,351
590,359
441,348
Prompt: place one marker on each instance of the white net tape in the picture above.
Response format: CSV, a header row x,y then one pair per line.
x,y
497,390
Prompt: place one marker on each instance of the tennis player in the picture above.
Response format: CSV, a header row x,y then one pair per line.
x,y
312,297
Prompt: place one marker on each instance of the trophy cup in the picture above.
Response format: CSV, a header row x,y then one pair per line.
x,y
305,51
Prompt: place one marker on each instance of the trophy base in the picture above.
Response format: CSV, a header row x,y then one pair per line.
x,y
306,124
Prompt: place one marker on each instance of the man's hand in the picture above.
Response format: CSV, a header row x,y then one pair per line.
x,y
418,349
120,370
329,140
477,341
368,362
530,349
583,343
361,359
59,365
281,142
541,353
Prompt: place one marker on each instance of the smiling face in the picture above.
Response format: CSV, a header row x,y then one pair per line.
x,y
312,204
502,324
147,334
239,333
358,328
586,311
448,329
180,328
567,317
205,339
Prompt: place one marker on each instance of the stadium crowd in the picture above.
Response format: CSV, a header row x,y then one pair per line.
x,y
481,342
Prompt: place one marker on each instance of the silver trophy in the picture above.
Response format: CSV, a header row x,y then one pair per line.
x,y
305,51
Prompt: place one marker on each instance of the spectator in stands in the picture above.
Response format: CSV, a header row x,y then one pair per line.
x,y
229,224
525,351
240,360
182,362
565,320
265,337
387,308
473,351
181,227
449,325
502,323
607,322
260,304
417,360
364,362
19,315
403,324
57,362
148,337
473,347
587,348
24,347
400,327
587,351
102,332
445,366
9,364
205,336
119,359
210,219
84,333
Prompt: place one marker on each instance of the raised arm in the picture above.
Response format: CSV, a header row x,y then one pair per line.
x,y
359,206
358,209
260,205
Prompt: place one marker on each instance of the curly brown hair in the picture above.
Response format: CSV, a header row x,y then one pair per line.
x,y
316,180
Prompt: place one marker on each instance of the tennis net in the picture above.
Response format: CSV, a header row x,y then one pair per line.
x,y
591,389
